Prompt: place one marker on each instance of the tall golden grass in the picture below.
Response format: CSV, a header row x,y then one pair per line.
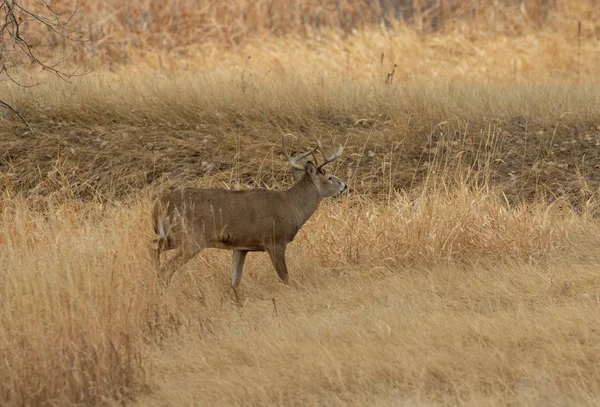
x,y
382,285
186,22
183,34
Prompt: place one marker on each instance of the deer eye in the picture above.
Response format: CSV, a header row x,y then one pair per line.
x,y
330,179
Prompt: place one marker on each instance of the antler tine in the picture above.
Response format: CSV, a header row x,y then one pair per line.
x,y
332,158
294,160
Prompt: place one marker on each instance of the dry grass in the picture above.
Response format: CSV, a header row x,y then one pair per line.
x,y
109,137
74,300
493,40
369,55
494,335
452,297
117,27
150,124
461,269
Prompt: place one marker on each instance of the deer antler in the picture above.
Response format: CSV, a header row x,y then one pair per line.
x,y
294,160
332,158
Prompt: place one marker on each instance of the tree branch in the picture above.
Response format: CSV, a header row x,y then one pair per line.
x,y
18,20
15,111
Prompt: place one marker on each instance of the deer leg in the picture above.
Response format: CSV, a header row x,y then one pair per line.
x,y
181,256
156,247
239,256
277,255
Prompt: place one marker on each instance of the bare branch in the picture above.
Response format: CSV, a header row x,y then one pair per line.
x,y
18,20
15,111
53,23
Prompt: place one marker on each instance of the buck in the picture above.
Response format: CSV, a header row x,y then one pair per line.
x,y
252,220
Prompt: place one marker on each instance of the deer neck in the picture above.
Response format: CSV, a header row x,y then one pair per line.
x,y
305,199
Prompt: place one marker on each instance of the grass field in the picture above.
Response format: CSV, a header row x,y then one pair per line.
x,y
450,298
461,268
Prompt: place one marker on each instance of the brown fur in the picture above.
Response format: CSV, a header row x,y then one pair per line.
x,y
191,219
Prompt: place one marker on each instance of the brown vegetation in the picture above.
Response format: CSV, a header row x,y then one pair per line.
x,y
106,137
448,297
183,34
461,268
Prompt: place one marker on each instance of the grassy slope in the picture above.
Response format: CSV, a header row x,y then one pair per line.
x,y
108,137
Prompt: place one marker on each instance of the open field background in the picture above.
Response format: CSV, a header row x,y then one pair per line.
x,y
462,267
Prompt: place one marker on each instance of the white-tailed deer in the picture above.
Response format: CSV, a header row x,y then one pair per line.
x,y
191,219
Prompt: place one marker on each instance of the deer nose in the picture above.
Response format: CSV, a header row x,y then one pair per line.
x,y
345,188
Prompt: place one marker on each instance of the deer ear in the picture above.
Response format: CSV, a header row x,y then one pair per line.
x,y
310,169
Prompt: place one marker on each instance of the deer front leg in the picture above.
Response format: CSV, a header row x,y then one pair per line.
x,y
239,256
277,255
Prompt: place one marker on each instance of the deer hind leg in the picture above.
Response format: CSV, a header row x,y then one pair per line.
x,y
156,247
277,255
183,254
